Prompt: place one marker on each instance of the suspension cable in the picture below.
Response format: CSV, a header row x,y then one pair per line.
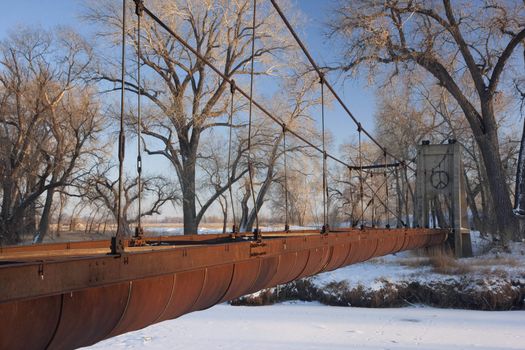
x,y
318,70
325,228
406,193
361,192
372,202
374,197
351,201
247,95
286,222
399,194
139,232
230,172
117,245
265,111
386,190
250,165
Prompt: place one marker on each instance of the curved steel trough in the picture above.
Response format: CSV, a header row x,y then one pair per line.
x,y
68,300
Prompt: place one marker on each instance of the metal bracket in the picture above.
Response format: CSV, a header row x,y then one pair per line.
x,y
138,240
257,249
139,7
117,246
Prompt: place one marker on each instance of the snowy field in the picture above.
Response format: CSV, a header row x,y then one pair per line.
x,y
304,326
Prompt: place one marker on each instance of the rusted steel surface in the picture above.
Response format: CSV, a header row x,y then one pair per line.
x,y
188,287
268,269
300,263
339,252
244,275
216,283
29,324
89,315
56,301
285,265
147,300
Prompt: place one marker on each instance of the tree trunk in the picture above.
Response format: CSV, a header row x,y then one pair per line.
x,y
471,201
260,199
27,221
488,220
519,193
8,234
189,210
406,193
244,207
60,213
399,207
43,226
5,235
188,152
259,203
505,220
224,208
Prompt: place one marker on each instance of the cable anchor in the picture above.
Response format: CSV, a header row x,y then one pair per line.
x,y
139,7
257,235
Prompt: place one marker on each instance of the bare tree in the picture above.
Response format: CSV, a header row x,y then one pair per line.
x,y
461,50
304,185
99,190
362,194
49,121
188,97
415,111
294,110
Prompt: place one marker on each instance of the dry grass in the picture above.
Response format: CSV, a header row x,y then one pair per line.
x,y
502,261
414,262
443,262
447,265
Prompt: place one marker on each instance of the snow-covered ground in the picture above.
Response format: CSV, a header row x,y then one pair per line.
x,y
407,266
305,326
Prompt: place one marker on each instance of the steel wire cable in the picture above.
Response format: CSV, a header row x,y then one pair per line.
x,y
250,164
382,203
373,211
374,197
247,96
320,73
325,227
361,192
230,172
116,243
386,191
139,230
406,194
286,222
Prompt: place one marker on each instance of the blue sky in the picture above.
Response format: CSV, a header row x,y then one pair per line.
x,y
360,98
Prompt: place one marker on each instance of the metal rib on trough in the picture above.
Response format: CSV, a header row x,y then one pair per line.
x,y
64,296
